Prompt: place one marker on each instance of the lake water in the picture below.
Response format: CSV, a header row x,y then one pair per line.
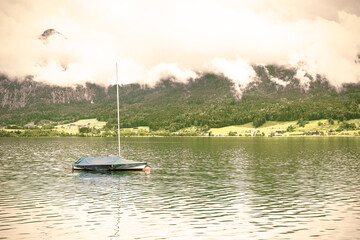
x,y
199,188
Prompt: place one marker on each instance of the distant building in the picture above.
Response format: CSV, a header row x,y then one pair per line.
x,y
30,125
277,132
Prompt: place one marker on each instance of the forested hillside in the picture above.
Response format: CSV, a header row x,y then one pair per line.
x,y
209,101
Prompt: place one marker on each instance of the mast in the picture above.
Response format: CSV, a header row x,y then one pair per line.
x,y
118,114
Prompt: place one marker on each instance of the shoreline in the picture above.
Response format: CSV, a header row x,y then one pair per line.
x,y
14,135
315,128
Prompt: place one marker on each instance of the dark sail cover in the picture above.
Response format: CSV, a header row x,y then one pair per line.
x,y
99,161
107,164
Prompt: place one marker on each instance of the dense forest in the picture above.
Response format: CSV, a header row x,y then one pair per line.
x,y
209,101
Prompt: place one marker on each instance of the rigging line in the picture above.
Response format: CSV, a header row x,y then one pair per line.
x,y
118,114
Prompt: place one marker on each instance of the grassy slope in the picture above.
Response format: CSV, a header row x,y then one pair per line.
x,y
73,128
272,126
244,129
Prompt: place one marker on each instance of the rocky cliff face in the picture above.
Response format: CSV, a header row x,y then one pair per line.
x,y
16,94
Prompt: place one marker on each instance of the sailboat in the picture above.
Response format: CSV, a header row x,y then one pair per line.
x,y
109,163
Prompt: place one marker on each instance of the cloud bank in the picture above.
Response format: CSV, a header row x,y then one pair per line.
x,y
151,40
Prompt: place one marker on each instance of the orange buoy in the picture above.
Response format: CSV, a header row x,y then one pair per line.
x,y
147,170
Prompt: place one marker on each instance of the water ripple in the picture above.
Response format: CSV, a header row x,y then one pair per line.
x,y
204,188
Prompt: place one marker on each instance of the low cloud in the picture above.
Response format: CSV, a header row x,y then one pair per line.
x,y
276,80
162,39
239,71
166,71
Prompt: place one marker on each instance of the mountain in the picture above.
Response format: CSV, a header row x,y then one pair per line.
x,y
44,37
209,101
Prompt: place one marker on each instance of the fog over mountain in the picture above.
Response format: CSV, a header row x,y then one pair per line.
x,y
73,42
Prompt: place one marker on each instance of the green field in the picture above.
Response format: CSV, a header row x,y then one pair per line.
x,y
73,128
93,123
317,127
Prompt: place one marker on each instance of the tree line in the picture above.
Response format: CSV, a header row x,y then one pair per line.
x,y
208,102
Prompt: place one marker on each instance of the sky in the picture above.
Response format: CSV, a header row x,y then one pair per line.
x,y
152,40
